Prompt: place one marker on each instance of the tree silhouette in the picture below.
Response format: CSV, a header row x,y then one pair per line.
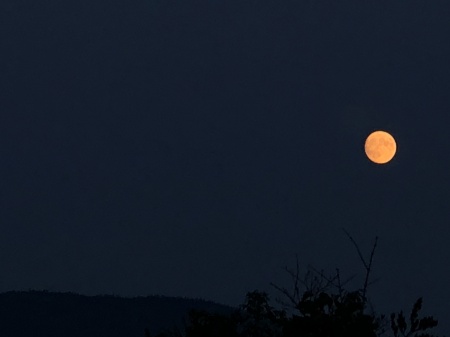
x,y
323,308
255,318
259,318
319,315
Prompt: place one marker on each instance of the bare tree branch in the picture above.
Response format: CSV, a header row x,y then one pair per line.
x,y
357,248
286,293
367,265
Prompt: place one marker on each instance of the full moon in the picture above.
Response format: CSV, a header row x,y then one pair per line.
x,y
380,147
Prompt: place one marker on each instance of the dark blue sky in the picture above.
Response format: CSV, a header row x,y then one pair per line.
x,y
193,148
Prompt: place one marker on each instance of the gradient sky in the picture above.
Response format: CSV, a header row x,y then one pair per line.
x,y
192,148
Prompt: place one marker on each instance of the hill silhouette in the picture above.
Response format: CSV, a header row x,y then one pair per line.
x,y
49,314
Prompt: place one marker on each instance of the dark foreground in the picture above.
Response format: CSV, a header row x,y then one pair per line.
x,y
49,314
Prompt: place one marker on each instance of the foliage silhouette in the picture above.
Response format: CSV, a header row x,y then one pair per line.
x,y
323,315
319,314
323,309
417,326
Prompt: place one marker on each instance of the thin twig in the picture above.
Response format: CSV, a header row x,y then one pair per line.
x,y
357,248
367,266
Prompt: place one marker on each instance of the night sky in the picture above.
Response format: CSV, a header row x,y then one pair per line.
x,y
194,147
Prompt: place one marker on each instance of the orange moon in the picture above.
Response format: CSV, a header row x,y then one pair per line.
x,y
380,147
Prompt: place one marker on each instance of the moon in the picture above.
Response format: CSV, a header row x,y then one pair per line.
x,y
380,147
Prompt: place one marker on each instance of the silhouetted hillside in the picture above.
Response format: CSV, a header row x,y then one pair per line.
x,y
49,314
